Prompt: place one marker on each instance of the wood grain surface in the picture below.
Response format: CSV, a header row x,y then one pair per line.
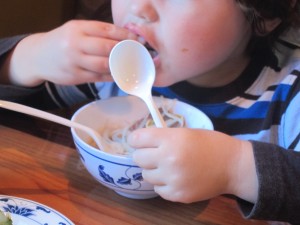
x,y
39,162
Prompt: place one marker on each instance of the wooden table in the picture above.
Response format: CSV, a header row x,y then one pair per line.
x,y
39,162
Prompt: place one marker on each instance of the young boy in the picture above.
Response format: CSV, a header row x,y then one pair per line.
x,y
222,56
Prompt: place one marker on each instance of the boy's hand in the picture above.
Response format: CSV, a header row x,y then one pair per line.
x,y
188,165
77,52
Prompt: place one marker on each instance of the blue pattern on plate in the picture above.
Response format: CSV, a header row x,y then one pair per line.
x,y
33,211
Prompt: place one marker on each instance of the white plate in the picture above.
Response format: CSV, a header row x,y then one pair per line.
x,y
27,212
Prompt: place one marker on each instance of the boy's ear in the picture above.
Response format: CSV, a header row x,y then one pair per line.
x,y
270,25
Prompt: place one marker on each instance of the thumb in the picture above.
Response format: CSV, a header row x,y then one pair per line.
x,y
144,138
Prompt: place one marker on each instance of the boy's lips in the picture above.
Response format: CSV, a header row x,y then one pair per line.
x,y
142,39
153,52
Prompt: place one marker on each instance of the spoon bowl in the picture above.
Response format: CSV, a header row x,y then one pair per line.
x,y
54,118
133,70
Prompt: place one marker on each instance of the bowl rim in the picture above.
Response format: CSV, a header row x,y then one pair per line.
x,y
115,156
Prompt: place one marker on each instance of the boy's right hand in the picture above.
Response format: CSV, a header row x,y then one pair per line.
x,y
77,52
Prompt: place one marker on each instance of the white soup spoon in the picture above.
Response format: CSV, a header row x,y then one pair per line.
x,y
51,117
133,70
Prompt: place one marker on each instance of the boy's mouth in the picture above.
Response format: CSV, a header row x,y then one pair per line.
x,y
151,50
131,27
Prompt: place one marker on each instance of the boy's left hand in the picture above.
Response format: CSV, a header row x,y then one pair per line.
x,y
188,165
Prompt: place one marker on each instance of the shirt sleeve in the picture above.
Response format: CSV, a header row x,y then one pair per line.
x,y
278,172
7,44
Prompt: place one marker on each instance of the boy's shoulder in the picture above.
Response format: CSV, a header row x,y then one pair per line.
x,y
288,49
292,36
291,61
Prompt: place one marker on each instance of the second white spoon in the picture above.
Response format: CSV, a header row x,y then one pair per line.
x,y
51,117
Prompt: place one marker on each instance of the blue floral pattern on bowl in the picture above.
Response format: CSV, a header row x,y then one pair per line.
x,y
123,177
122,180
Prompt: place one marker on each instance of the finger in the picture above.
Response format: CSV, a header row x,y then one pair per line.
x,y
91,76
96,77
153,176
168,193
79,76
97,46
98,65
145,158
145,138
107,30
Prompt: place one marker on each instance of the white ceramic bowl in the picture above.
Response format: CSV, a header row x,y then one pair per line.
x,y
116,172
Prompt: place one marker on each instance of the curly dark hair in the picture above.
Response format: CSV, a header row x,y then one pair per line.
x,y
257,11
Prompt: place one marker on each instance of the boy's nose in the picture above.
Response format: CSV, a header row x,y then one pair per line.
x,y
145,10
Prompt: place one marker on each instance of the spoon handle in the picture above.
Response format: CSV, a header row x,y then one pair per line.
x,y
156,115
51,117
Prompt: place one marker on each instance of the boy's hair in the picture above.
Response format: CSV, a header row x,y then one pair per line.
x,y
256,11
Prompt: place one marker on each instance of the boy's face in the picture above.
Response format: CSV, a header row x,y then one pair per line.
x,y
196,40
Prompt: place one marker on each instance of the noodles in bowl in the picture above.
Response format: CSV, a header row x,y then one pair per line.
x,y
115,118
116,140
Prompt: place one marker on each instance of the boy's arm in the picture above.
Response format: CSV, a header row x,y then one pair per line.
x,y
10,92
47,95
278,173
278,168
6,48
39,96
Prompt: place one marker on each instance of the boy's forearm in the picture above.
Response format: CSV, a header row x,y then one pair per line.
x,y
20,64
277,170
7,46
243,176
12,70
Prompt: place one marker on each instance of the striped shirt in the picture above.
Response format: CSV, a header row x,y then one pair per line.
x,y
261,107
